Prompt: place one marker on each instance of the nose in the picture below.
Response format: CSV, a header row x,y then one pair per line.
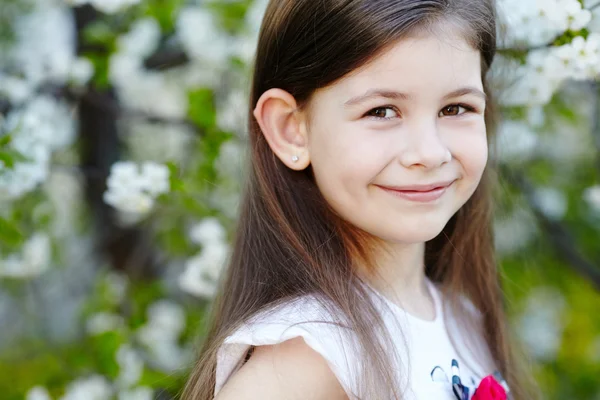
x,y
423,147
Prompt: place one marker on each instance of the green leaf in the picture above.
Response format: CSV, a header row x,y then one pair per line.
x,y
101,69
11,157
5,140
231,13
202,110
104,348
7,161
99,33
164,11
9,233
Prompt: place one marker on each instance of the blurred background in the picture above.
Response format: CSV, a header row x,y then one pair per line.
x,y
122,136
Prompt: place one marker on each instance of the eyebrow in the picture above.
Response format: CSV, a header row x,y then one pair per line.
x,y
390,94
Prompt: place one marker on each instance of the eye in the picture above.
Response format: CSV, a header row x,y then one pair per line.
x,y
455,110
383,112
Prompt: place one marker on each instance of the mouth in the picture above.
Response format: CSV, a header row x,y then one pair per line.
x,y
422,193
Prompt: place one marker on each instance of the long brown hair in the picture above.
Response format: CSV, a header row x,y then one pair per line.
x,y
290,243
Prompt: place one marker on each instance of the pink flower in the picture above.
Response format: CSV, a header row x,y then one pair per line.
x,y
489,389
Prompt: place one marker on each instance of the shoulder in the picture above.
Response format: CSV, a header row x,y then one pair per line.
x,y
296,342
288,370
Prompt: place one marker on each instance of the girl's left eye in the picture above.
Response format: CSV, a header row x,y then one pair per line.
x,y
455,109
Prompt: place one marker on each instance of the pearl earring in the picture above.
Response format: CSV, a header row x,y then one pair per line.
x,y
295,158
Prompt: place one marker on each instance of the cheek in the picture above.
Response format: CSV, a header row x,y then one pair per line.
x,y
344,161
470,148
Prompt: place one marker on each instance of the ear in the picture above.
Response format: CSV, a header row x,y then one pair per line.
x,y
284,127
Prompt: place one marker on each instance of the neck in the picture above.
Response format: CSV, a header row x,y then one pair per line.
x,y
400,271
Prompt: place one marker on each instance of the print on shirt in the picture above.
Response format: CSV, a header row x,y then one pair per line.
x,y
465,389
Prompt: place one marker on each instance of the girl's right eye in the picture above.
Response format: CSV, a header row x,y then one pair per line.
x,y
382,113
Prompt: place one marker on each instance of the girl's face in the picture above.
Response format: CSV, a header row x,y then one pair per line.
x,y
412,118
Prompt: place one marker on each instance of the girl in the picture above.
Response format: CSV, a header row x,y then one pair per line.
x,y
363,264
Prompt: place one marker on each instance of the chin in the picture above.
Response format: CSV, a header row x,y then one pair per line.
x,y
411,234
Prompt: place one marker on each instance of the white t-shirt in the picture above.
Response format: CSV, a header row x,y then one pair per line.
x,y
425,343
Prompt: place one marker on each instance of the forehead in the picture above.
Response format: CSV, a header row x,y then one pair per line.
x,y
427,64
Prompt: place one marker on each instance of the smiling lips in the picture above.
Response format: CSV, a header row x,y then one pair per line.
x,y
419,193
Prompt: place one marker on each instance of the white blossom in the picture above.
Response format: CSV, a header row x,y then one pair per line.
x,y
44,50
41,127
45,122
142,39
95,387
33,261
15,89
133,191
137,87
130,202
38,393
230,161
538,22
536,116
45,44
124,175
131,366
159,142
168,316
513,231
592,196
577,16
124,68
138,393
561,142
531,23
594,25
24,177
530,84
207,231
540,326
169,356
81,71
229,115
244,45
203,270
65,191
37,252
551,201
580,59
516,141
255,14
102,322
116,284
226,199
192,282
160,335
155,178
201,36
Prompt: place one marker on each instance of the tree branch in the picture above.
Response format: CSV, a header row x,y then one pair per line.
x,y
109,105
99,149
559,235
596,119
112,108
165,58
525,49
